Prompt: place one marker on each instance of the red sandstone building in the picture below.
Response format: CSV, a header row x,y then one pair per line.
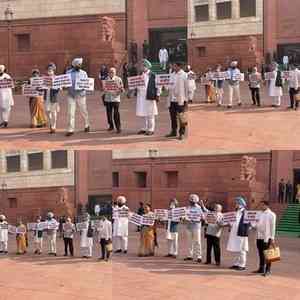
x,y
157,177
204,32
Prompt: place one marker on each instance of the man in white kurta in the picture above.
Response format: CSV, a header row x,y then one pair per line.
x,y
193,231
6,99
163,56
191,83
51,233
236,242
147,108
3,235
275,92
86,239
120,227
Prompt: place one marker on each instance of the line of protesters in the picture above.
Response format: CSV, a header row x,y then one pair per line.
x,y
44,108
237,242
88,234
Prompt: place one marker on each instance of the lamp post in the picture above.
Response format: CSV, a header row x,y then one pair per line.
x,y
8,16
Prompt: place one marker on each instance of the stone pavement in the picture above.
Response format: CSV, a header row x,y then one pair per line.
x,y
164,278
211,128
44,277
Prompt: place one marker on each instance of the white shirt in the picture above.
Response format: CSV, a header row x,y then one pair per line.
x,y
266,226
104,230
180,88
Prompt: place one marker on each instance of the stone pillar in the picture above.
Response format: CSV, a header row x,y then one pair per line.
x,y
23,161
47,160
2,162
235,9
212,6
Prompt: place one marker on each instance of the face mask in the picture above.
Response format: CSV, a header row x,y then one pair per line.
x,y
1,73
172,205
77,68
120,204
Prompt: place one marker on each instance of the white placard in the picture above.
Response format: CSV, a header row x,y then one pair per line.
x,y
42,226
12,229
148,220
29,91
123,213
135,219
211,218
82,226
110,86
252,216
161,214
238,77
270,75
87,84
37,82
163,80
62,81
178,213
31,226
20,230
220,75
53,225
229,217
204,81
3,226
135,82
194,215
6,83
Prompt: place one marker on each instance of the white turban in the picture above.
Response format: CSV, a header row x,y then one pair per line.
x,y
2,217
77,62
50,215
121,199
194,198
234,63
2,68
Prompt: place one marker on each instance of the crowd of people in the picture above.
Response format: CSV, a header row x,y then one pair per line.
x,y
88,232
179,92
237,243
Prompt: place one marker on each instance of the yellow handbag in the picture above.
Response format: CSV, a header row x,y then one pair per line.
x,y
272,254
183,118
109,247
297,97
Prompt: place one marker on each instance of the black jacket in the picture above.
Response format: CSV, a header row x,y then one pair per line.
x,y
53,95
243,229
278,81
151,89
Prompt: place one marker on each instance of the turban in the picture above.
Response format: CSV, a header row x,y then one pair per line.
x,y
234,63
2,68
241,201
35,72
50,215
77,62
121,199
194,198
147,64
2,217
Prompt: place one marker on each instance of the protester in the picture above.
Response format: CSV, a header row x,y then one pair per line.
x,y
6,99
213,235
105,237
289,192
219,86
112,100
51,100
281,191
238,238
209,89
38,238
294,87
125,74
86,238
163,56
36,106
178,99
191,76
234,84
51,234
193,231
276,85
140,212
255,80
77,97
266,230
120,228
68,236
3,235
21,238
147,236
172,233
147,98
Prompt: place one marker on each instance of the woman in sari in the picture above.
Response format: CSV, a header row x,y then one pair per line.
x,y
36,107
21,238
209,89
148,239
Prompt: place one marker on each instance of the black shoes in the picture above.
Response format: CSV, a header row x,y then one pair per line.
x,y
4,124
87,129
170,135
70,133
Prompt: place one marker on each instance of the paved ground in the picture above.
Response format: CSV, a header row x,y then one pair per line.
x,y
33,277
163,278
211,128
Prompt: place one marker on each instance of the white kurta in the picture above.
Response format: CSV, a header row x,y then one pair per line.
x,y
144,107
237,243
4,234
163,55
274,91
191,82
6,95
120,226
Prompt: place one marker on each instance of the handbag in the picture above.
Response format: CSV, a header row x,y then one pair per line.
x,y
272,254
297,96
109,247
183,118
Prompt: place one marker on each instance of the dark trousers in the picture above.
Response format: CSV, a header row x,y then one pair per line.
x,y
261,246
288,197
294,103
174,110
213,243
255,93
69,245
113,115
104,252
281,196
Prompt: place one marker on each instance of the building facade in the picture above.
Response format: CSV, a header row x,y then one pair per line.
x,y
65,182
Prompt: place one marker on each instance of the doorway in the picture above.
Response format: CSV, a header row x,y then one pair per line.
x,y
174,39
104,201
296,183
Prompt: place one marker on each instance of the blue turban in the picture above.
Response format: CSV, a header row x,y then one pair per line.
x,y
241,201
147,64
